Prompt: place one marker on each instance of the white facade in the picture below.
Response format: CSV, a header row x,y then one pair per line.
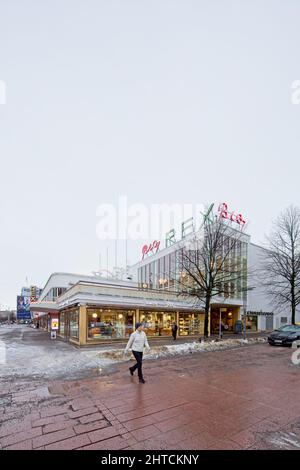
x,y
258,305
258,299
59,282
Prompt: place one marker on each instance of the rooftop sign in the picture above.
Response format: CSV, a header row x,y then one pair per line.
x,y
152,248
232,216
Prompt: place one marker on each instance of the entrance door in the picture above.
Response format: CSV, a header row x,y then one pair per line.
x,y
269,322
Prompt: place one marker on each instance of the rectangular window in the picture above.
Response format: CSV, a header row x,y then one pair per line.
x,y
156,274
152,275
191,324
74,324
147,274
109,323
167,267
162,267
251,322
62,324
172,271
158,323
143,274
61,290
232,290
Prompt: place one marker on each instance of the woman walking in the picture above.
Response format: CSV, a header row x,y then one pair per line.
x,y
137,342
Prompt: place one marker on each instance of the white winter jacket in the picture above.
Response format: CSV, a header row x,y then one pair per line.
x,y
137,341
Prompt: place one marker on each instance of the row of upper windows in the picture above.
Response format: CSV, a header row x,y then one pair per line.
x,y
54,293
165,272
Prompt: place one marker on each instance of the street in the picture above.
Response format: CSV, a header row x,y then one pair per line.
x,y
242,398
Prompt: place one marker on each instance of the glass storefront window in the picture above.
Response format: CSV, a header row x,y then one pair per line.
x,y
158,323
191,324
109,323
229,316
62,324
251,322
43,321
74,324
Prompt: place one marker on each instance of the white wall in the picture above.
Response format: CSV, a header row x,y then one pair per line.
x,y
257,298
68,279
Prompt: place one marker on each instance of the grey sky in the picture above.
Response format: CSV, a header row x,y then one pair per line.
x,y
163,101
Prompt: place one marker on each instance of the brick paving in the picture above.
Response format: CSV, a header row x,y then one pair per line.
x,y
243,398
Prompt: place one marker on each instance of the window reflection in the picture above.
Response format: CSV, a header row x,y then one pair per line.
x,y
110,323
157,323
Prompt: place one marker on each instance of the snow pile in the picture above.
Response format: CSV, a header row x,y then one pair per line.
x,y
183,348
49,359
284,440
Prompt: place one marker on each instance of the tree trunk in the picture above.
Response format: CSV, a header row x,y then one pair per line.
x,y
293,306
293,285
206,318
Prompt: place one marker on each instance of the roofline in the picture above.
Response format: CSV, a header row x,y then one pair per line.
x,y
179,244
83,282
67,274
77,275
134,286
258,246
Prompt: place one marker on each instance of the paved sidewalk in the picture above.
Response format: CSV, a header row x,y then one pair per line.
x,y
244,398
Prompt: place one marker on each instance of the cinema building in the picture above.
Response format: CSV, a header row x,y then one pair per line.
x,y
89,310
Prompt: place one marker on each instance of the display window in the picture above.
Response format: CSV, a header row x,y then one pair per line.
x,y
62,324
158,323
191,324
228,318
109,323
251,322
74,323
43,321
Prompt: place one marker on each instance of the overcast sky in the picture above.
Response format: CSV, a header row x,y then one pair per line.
x,y
164,101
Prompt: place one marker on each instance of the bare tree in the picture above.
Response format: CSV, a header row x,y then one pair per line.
x,y
281,271
212,264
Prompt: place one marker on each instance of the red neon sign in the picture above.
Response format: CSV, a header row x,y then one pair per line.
x,y
150,248
225,214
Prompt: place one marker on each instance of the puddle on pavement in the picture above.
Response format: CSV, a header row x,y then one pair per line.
x,y
103,372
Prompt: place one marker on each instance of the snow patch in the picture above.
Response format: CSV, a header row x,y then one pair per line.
x,y
182,348
285,440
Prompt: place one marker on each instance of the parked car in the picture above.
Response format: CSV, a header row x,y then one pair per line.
x,y
285,335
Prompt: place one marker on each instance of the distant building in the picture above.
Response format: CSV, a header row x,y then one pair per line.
x,y
25,291
7,316
28,296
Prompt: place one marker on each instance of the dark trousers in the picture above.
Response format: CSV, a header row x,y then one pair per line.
x,y
174,333
139,360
